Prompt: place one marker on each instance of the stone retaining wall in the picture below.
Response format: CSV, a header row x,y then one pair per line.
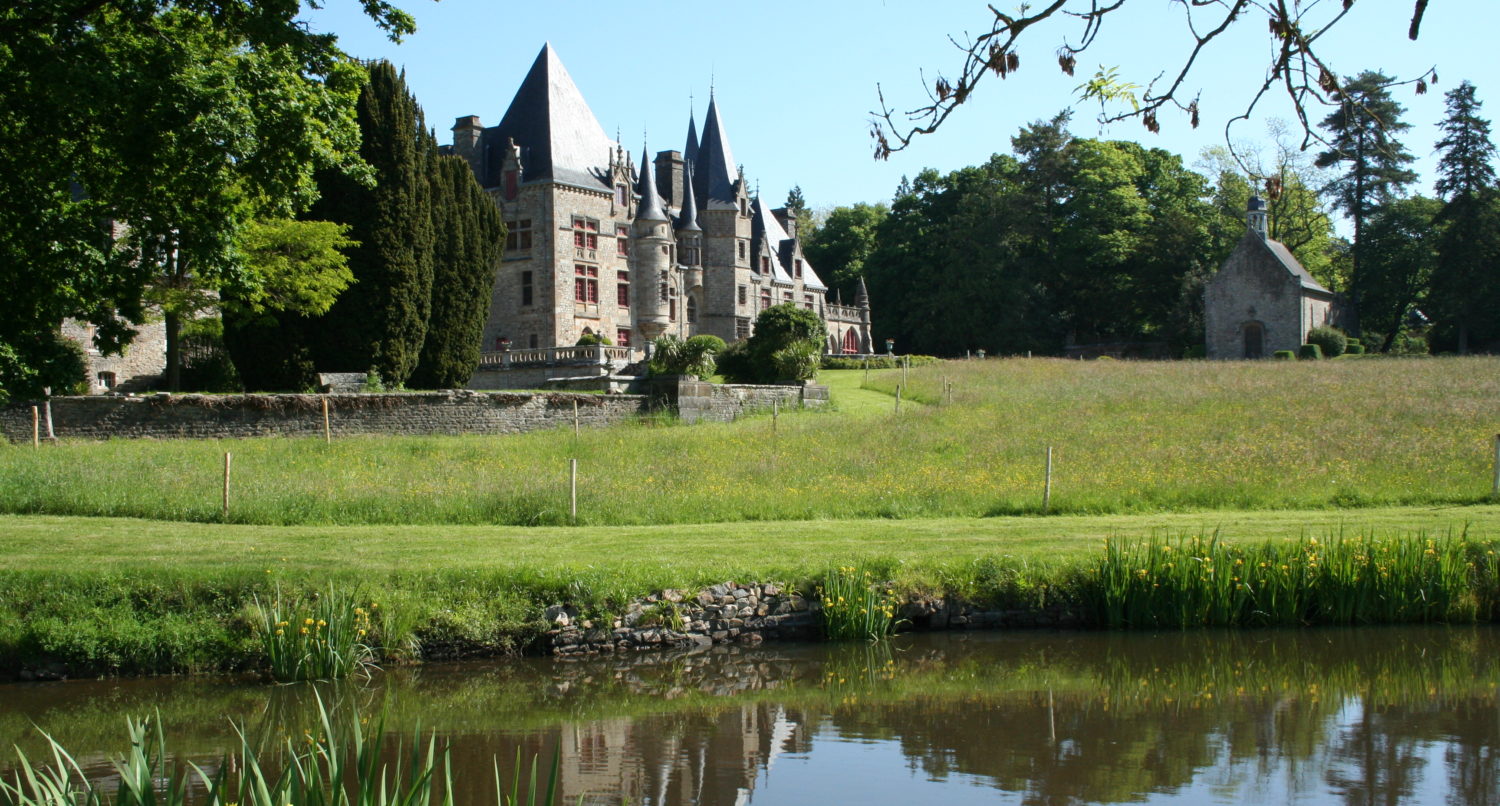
x,y
227,416
755,612
698,400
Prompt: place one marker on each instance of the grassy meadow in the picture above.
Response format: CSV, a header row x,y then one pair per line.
x,y
1128,437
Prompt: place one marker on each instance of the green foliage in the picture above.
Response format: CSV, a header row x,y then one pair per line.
x,y
855,606
1309,352
296,266
841,246
1465,292
1284,355
215,112
785,345
469,237
1205,583
672,356
327,639
1354,348
38,360
877,361
206,364
381,320
1071,240
1362,136
1330,340
1400,258
590,339
1195,351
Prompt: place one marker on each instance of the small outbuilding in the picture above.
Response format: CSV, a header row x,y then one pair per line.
x,y
1262,299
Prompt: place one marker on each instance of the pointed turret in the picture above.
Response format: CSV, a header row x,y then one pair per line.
x,y
687,219
690,151
1255,216
559,137
714,166
649,207
862,296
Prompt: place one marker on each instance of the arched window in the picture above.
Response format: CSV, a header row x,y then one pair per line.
x,y
851,341
692,310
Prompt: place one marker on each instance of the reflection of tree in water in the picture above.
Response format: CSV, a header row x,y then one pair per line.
x,y
1056,717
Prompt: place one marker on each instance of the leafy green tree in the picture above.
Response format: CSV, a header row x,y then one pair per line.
x,y
1466,288
299,267
1401,254
176,121
381,321
840,247
467,243
786,344
1362,137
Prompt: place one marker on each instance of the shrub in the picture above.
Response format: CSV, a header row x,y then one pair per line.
x,y
1354,348
787,343
875,361
1330,339
734,363
671,355
590,339
1309,352
1283,355
1195,351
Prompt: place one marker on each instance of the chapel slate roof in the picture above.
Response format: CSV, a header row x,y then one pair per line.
x,y
715,172
559,137
1289,262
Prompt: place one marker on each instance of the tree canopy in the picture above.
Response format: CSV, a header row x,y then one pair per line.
x,y
138,138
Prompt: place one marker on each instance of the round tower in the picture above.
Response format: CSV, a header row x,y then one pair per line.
x,y
690,238
651,260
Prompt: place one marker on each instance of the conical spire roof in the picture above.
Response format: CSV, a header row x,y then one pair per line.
x,y
690,151
559,137
716,172
862,297
649,208
687,219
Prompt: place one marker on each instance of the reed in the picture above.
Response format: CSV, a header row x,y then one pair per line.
x,y
327,639
1202,582
855,605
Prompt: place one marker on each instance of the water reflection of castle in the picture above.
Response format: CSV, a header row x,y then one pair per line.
x,y
677,760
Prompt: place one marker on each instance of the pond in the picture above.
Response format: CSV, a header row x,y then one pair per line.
x,y
1311,716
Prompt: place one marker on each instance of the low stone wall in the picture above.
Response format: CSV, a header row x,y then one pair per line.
x,y
755,612
228,416
697,400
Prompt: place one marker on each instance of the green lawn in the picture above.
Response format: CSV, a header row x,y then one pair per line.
x,y
1128,437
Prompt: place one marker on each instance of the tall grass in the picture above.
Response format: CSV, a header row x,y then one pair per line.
x,y
329,639
1128,437
344,764
856,605
1197,582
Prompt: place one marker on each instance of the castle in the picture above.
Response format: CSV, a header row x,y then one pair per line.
x,y
596,246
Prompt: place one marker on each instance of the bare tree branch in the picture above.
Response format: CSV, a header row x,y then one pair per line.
x,y
1296,69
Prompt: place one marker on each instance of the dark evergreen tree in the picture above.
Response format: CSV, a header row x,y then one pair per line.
x,y
1363,138
381,321
1466,287
468,237
1401,254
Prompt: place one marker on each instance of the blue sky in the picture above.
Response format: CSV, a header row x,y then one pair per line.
x,y
796,81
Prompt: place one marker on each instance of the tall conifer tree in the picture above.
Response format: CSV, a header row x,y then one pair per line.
x,y
1363,137
468,238
381,321
1466,287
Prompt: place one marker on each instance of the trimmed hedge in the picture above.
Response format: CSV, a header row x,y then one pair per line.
x,y
1310,352
1283,355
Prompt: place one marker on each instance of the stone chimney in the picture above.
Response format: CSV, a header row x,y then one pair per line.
x,y
466,133
669,167
787,221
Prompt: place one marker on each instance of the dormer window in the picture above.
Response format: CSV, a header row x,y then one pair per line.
x,y
797,266
512,184
765,265
620,195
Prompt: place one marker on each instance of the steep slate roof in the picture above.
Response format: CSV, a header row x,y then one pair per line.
x,y
560,139
786,248
715,170
764,228
1289,262
687,220
690,151
649,208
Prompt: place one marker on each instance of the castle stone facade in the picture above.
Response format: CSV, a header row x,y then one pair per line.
x,y
598,245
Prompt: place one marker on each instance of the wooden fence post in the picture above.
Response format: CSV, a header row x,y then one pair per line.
x,y
228,459
1047,488
327,429
36,428
1495,490
898,398
575,418
573,490
775,413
